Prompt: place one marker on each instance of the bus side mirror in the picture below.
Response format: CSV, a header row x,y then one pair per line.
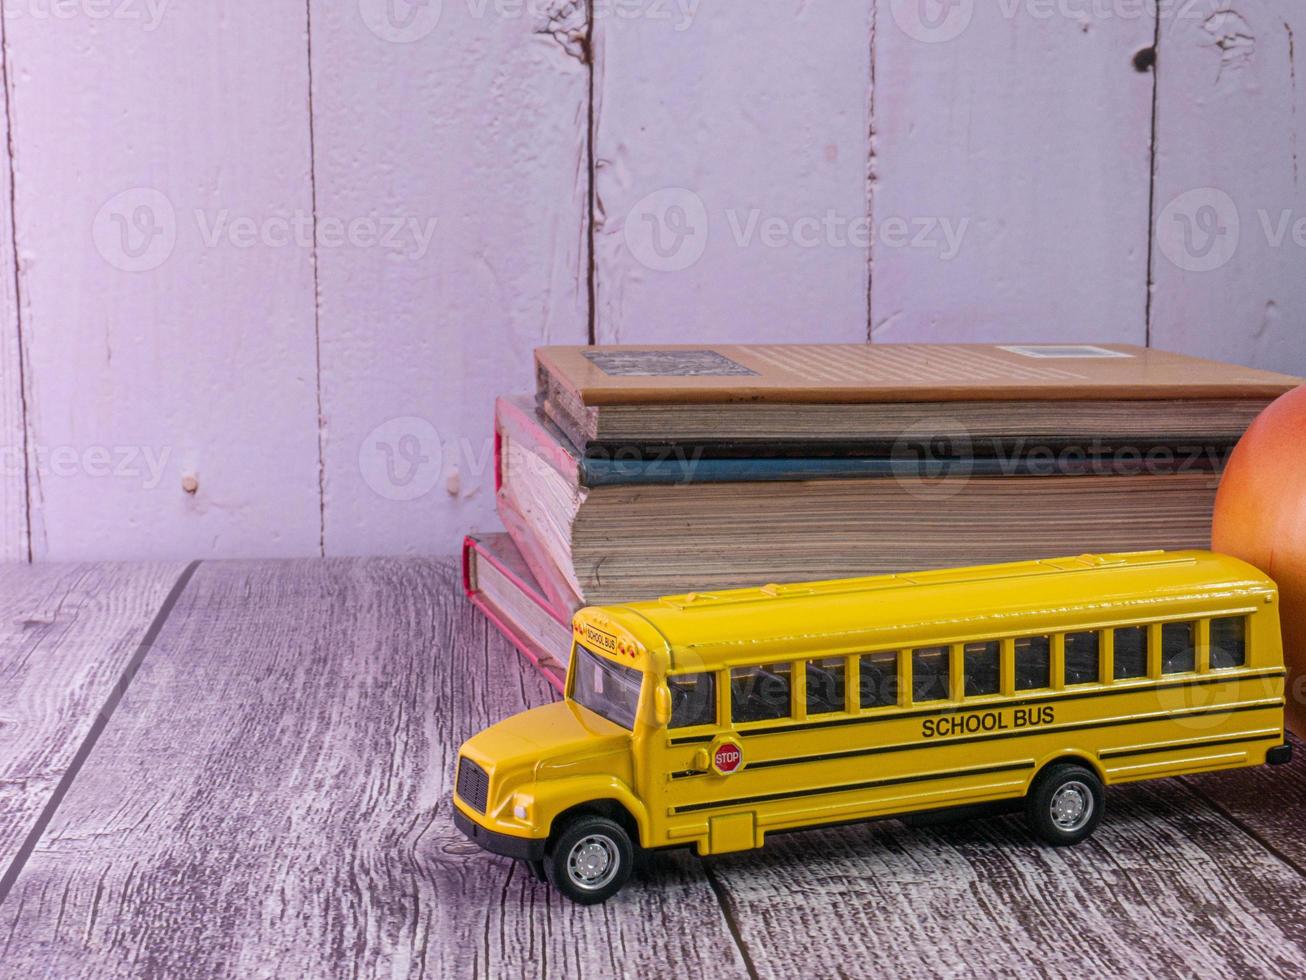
x,y
662,704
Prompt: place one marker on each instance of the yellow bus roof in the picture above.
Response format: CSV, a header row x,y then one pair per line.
x,y
717,628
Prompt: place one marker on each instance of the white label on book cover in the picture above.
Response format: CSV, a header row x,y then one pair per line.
x,y
1053,351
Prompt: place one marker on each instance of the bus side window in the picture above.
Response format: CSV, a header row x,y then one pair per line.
x,y
981,666
1228,642
929,673
693,700
825,685
1130,652
759,693
878,685
1083,658
1033,662
1178,648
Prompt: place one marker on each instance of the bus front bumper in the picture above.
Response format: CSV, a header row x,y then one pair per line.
x,y
521,848
1280,755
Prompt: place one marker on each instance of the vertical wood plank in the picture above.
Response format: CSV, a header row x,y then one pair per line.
x,y
1025,128
462,127
13,474
162,192
66,634
731,146
272,798
1230,210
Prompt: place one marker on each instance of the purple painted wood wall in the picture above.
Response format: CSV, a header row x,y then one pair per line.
x,y
263,267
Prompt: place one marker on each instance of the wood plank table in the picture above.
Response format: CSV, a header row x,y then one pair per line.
x,y
243,769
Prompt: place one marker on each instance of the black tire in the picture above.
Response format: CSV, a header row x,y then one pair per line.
x,y
1065,804
590,860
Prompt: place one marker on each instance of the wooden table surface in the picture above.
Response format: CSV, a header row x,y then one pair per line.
x,y
244,768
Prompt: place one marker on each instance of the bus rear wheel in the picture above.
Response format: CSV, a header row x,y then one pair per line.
x,y
590,860
1065,804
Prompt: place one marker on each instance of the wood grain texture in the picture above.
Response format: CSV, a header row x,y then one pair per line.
x,y
294,252
66,634
1230,208
162,181
13,446
1167,887
271,798
1025,128
1268,802
463,129
731,146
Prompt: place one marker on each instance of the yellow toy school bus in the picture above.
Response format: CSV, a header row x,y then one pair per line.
x,y
713,720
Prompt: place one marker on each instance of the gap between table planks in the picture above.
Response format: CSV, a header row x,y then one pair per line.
x,y
68,637
271,796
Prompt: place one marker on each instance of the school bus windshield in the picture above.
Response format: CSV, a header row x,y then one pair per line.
x,y
609,690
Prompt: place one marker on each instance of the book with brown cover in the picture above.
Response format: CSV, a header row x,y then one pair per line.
x,y
857,373
765,400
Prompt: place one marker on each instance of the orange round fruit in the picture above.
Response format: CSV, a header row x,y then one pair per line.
x,y
1260,517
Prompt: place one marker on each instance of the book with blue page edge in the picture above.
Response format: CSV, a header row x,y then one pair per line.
x,y
633,532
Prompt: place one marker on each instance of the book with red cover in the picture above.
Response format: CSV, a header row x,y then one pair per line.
x,y
501,585
515,421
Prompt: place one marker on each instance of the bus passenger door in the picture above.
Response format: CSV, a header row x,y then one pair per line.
x,y
694,762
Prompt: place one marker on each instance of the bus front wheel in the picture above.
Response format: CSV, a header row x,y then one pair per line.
x,y
590,860
1065,804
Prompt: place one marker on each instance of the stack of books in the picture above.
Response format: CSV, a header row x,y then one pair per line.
x,y
636,472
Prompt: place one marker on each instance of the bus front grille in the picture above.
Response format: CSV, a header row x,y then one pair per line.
x,y
473,784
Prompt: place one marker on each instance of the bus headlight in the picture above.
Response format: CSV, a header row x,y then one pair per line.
x,y
521,808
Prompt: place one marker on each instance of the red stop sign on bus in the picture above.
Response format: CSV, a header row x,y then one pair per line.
x,y
727,758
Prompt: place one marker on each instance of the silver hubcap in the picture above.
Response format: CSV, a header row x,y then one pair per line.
x,y
592,863
1072,806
